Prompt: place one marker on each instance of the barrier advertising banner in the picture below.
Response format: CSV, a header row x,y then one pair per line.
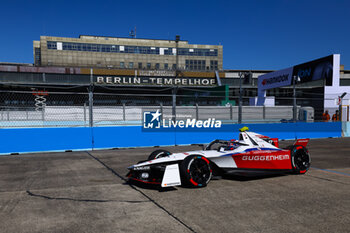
x,y
275,79
314,70
311,71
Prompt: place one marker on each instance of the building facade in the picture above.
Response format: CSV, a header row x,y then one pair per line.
x,y
126,53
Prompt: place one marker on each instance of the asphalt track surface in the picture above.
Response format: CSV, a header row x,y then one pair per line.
x,y
87,192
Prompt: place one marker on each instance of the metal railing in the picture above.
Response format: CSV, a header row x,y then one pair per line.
x,y
22,109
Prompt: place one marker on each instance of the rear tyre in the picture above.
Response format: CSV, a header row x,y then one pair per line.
x,y
301,159
195,171
158,154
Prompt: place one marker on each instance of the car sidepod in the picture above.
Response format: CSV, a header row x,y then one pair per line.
x,y
269,159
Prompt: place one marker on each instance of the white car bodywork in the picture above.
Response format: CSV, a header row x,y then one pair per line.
x,y
222,158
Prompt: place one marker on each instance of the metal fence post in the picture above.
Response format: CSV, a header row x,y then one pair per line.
x,y
240,99
91,99
161,108
84,108
264,112
27,117
8,115
294,101
174,104
91,102
231,112
124,114
197,112
43,114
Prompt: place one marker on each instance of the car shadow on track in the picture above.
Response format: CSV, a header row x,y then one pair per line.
x,y
149,186
243,177
251,177
240,178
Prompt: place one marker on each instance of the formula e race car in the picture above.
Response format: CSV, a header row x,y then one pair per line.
x,y
251,153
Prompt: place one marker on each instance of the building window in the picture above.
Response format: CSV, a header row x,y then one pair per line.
x,y
131,65
195,65
51,45
140,65
166,66
122,65
213,65
157,66
131,49
37,56
174,66
148,65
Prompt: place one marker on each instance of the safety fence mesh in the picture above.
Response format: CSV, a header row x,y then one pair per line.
x,y
76,109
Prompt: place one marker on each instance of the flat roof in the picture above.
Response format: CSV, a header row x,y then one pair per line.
x,y
114,37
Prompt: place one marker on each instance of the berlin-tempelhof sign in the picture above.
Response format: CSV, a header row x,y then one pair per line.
x,y
154,81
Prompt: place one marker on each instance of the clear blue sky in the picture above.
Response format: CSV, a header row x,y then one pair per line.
x,y
256,34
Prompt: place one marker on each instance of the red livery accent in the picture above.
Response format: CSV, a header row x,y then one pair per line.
x,y
144,181
264,160
193,182
302,142
262,136
205,159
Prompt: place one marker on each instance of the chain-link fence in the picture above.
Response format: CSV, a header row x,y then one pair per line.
x,y
73,109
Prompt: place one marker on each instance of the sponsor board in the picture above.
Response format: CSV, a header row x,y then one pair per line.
x,y
275,79
310,71
315,70
154,81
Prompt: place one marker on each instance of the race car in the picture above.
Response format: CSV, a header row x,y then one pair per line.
x,y
252,153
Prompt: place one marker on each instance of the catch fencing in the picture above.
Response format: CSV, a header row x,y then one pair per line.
x,y
76,109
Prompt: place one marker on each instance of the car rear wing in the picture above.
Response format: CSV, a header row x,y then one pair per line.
x,y
302,142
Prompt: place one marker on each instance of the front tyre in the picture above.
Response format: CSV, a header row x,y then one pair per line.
x,y
301,159
195,171
158,154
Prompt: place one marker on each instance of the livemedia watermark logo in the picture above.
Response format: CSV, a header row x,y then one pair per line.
x,y
155,120
152,120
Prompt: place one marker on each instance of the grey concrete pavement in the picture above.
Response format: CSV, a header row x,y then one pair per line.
x,y
86,192
71,192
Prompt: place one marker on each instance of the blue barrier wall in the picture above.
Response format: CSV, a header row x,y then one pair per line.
x,y
130,136
82,138
44,139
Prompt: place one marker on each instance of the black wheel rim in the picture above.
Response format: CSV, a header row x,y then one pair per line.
x,y
301,160
200,171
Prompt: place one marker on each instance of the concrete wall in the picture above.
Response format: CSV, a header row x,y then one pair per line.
x,y
86,138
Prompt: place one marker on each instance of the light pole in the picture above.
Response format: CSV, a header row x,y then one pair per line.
x,y
294,100
177,39
91,99
240,99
